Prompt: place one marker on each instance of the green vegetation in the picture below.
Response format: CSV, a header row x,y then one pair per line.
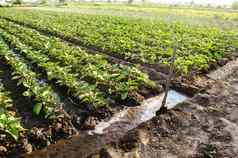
x,y
98,64
162,11
9,123
89,78
115,79
42,93
141,41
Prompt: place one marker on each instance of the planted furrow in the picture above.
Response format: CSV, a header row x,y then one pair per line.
x,y
9,123
139,40
40,91
85,92
92,49
120,81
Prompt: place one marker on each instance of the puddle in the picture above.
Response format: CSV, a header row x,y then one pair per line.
x,y
105,133
134,116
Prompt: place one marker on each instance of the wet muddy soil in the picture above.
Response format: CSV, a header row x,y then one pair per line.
x,y
205,126
165,136
39,131
107,132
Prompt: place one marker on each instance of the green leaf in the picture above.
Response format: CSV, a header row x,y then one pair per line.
x,y
14,132
37,108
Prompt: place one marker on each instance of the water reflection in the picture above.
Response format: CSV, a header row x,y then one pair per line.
x,y
107,132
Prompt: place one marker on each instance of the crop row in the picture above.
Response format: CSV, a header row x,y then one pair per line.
x,y
115,80
9,123
165,11
135,40
43,94
85,92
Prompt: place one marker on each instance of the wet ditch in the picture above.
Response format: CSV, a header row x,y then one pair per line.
x,y
41,136
106,133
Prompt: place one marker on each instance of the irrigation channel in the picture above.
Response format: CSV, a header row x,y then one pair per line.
x,y
118,126
89,142
105,133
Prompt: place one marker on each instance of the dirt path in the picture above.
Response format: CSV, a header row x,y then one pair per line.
x,y
204,127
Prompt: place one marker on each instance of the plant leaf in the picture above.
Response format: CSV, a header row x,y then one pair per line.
x,y
37,108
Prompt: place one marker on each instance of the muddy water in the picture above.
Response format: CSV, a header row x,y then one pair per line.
x,y
90,142
132,117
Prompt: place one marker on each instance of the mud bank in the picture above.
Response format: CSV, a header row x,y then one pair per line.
x,y
204,127
201,127
108,132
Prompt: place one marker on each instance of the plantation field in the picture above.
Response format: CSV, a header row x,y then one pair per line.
x,y
162,10
72,69
223,18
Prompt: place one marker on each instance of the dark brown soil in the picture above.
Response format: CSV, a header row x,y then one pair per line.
x,y
204,127
41,132
194,129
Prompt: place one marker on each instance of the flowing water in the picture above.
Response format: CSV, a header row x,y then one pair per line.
x,y
89,142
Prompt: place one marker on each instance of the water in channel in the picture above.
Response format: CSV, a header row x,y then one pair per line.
x,y
90,142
